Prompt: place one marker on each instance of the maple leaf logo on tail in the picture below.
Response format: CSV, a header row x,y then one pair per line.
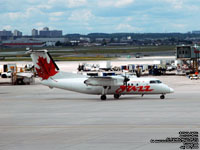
x,y
46,69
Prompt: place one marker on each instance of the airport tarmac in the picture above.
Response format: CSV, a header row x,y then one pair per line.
x,y
36,117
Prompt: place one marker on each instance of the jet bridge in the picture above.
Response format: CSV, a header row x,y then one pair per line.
x,y
189,55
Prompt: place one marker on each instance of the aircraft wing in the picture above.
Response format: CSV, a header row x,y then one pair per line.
x,y
104,81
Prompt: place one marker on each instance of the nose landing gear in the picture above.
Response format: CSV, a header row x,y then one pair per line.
x,y
162,96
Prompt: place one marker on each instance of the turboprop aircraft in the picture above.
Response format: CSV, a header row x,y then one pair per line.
x,y
51,76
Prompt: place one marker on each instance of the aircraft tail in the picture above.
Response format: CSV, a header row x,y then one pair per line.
x,y
44,64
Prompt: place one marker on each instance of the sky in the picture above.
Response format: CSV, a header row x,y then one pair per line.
x,y
107,16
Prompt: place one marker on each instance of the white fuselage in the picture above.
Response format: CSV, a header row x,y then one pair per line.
x,y
51,76
134,86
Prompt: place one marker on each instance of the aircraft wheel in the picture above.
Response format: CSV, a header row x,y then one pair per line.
x,y
103,97
162,97
116,96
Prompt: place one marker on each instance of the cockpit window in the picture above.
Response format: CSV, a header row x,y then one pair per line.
x,y
152,82
158,81
155,82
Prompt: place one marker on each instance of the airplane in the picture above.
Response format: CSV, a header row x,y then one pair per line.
x,y
52,77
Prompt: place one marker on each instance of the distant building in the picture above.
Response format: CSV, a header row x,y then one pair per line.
x,y
115,39
45,29
196,32
6,33
51,41
102,39
85,39
23,43
33,42
17,33
129,37
34,32
126,39
50,33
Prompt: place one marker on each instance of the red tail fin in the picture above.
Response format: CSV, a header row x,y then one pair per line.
x,y
46,69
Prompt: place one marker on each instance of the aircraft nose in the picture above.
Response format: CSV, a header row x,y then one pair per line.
x,y
171,90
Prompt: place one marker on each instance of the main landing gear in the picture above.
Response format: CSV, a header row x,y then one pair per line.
x,y
162,96
103,97
116,96
104,92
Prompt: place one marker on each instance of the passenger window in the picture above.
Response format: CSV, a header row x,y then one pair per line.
x,y
132,84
